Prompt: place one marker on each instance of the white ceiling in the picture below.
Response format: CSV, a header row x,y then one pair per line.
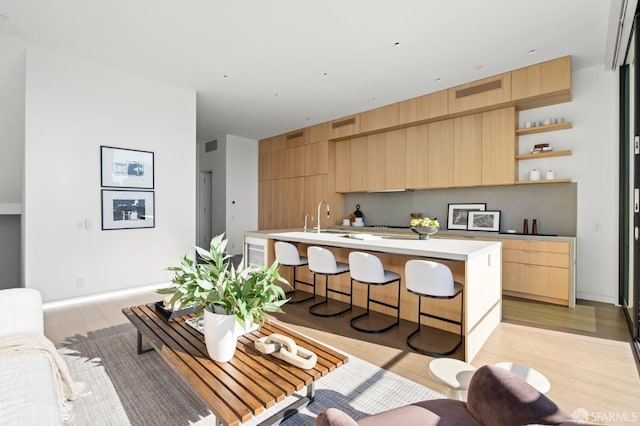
x,y
262,68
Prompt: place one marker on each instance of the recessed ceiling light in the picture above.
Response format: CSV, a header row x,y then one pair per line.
x,y
275,95
397,43
373,99
4,18
438,79
531,51
478,67
225,75
325,74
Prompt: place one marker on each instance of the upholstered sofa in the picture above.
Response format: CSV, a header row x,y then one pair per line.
x,y
31,391
496,397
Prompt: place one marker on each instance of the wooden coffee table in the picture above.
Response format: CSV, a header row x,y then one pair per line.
x,y
247,385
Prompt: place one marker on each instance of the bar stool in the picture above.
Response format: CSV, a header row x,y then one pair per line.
x,y
367,269
433,280
287,255
323,262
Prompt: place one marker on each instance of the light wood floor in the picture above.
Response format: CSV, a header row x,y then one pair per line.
x,y
585,353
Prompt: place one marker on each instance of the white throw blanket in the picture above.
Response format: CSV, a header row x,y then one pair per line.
x,y
14,345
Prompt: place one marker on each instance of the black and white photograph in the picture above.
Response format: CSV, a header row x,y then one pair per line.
x,y
126,168
127,209
458,214
488,220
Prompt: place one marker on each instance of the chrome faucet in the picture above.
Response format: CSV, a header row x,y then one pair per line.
x,y
328,213
306,215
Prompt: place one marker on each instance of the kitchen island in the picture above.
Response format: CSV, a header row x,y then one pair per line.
x,y
475,264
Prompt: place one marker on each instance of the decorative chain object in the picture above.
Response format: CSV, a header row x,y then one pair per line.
x,y
285,348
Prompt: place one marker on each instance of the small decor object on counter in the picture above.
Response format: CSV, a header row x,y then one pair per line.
x,y
458,214
534,228
484,221
425,227
415,215
232,299
285,348
346,222
525,227
550,175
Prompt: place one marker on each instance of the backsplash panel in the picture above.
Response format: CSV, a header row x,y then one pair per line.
x,y
553,205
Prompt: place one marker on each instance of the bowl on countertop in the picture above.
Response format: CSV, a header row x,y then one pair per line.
x,y
425,231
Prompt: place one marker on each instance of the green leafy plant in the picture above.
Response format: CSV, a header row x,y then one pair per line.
x,y
208,280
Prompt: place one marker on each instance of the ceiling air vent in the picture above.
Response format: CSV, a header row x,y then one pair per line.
x,y
342,123
211,145
295,135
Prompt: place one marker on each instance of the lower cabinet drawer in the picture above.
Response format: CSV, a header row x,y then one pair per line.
x,y
546,281
559,260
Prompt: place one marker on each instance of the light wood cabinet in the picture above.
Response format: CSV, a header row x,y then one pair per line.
x,y
538,270
467,150
317,133
264,166
316,158
379,118
426,107
440,156
542,84
343,166
376,162
386,161
287,163
416,156
482,94
499,147
344,127
359,167
265,213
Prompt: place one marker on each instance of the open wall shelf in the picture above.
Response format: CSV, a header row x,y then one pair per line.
x,y
562,153
542,129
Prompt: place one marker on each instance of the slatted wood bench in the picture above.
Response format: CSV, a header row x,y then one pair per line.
x,y
247,385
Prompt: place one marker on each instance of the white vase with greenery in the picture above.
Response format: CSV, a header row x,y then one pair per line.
x,y
233,298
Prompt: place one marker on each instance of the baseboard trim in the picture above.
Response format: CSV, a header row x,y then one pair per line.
x,y
101,296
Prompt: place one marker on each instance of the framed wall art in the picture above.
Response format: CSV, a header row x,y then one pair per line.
x,y
488,220
457,216
127,209
126,168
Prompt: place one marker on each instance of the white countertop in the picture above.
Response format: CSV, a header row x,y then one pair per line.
x,y
452,249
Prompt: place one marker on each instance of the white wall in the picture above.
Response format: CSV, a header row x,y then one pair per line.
x,y
12,57
242,190
594,142
72,107
234,166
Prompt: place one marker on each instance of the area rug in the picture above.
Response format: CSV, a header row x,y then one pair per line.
x,y
123,387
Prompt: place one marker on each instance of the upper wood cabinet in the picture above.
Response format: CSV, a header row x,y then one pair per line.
x,y
343,166
287,163
359,170
467,150
386,161
499,147
424,107
480,94
344,127
379,118
542,84
440,157
316,158
317,133
416,156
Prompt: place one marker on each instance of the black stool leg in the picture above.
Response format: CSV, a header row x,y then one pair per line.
x,y
366,314
292,293
417,331
312,308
